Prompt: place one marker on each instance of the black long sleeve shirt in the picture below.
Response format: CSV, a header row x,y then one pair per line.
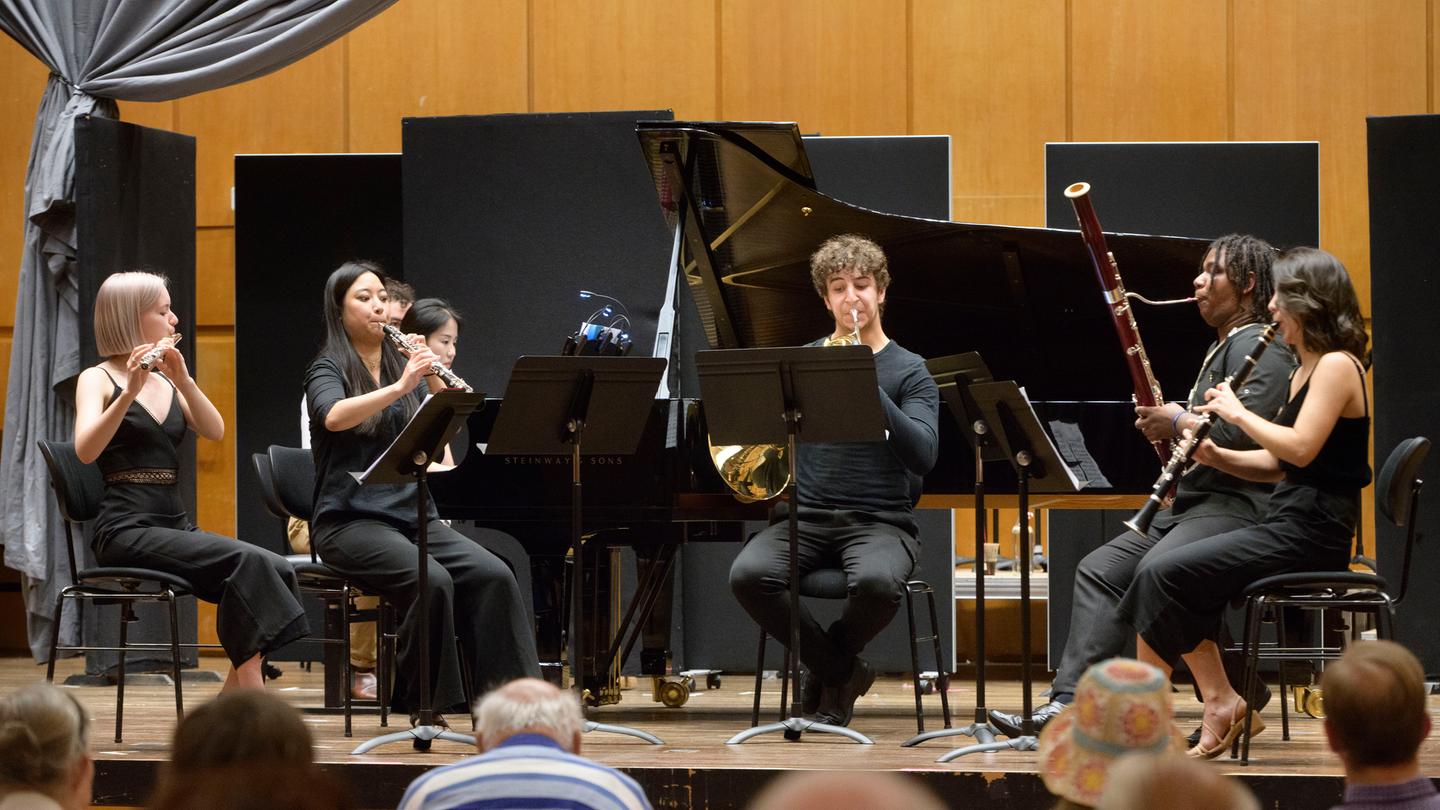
x,y
882,480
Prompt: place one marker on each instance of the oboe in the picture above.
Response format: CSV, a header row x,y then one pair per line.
x,y
150,358
450,378
1184,451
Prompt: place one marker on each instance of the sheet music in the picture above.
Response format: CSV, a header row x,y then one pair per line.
x,y
1071,444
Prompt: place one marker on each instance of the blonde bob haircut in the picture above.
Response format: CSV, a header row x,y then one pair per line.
x,y
118,304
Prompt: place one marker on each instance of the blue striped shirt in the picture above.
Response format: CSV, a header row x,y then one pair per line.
x,y
529,772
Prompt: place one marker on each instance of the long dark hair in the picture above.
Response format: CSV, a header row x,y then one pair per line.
x,y
426,316
1313,286
1245,257
338,349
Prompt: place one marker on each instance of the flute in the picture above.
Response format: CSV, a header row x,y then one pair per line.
x,y
150,358
1184,451
450,378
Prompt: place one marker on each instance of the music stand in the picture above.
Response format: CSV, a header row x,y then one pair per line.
x,y
954,375
1034,457
422,441
577,406
792,396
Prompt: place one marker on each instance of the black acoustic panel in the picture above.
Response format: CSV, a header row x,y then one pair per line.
x,y
508,217
135,210
1404,154
297,218
1201,190
903,174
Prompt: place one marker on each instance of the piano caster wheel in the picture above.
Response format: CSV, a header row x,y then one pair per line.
x,y
1310,700
673,694
712,680
927,686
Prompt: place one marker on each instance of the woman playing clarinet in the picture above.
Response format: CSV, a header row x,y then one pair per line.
x,y
1316,448
361,392
131,422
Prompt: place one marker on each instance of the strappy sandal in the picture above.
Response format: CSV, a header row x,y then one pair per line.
x,y
1237,727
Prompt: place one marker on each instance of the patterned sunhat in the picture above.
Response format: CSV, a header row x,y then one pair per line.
x,y
1121,706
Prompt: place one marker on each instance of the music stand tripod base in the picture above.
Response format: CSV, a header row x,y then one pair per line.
x,y
420,737
794,727
591,725
1015,744
984,734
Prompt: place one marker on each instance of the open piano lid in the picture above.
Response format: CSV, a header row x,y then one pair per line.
x,y
1025,298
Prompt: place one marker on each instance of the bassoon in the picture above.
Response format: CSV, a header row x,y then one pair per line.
x,y
1147,390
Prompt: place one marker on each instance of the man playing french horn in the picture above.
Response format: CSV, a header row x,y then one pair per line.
x,y
856,502
1232,290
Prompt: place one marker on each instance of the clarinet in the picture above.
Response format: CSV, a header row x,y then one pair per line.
x,y
1147,389
450,378
1185,451
150,358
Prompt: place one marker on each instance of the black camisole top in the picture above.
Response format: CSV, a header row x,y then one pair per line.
x,y
1342,466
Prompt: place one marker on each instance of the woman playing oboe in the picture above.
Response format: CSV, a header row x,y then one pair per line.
x,y
361,392
1316,448
130,422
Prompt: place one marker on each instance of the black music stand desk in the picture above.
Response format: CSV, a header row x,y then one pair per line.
x,y
792,396
577,406
422,441
1014,424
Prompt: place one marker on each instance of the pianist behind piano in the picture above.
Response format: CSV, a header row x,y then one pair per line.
x,y
361,391
857,501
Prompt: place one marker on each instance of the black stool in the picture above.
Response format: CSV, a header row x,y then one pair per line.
x,y
831,583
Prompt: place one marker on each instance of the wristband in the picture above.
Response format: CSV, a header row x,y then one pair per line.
x,y
1175,423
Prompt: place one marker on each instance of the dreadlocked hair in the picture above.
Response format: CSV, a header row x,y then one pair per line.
x,y
1247,257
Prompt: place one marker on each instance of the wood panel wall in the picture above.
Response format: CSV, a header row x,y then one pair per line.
x,y
1001,79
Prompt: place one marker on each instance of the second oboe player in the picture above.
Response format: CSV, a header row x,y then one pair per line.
x,y
1232,290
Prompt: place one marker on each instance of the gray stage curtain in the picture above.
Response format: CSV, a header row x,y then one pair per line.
x,y
99,51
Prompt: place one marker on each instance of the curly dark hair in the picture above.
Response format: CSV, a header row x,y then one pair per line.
x,y
1245,257
848,252
1314,286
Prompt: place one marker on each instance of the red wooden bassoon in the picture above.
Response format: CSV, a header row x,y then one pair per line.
x,y
1147,390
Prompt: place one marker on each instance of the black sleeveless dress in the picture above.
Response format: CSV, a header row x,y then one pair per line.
x,y
143,523
1178,598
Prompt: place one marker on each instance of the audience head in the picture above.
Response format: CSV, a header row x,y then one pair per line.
x,y
131,309
438,323
246,748
1375,714
1313,289
845,790
528,706
1121,706
401,296
1172,781
44,746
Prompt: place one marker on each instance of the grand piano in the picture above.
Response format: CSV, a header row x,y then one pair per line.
x,y
744,205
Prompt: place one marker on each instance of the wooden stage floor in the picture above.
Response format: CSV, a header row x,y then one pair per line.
x,y
694,768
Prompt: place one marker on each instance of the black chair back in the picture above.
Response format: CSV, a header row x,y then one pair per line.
x,y
78,489
260,462
1397,493
293,471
